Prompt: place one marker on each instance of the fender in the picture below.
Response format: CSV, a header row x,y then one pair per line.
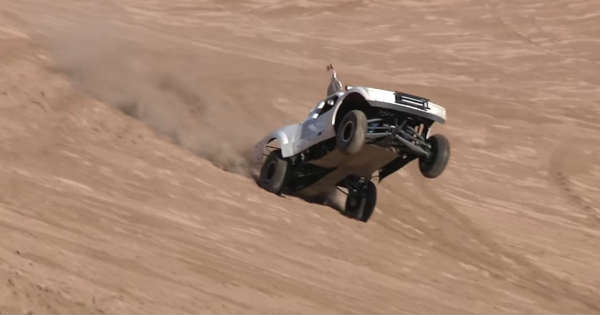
x,y
285,135
350,90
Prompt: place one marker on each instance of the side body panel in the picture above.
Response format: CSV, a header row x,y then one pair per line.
x,y
318,127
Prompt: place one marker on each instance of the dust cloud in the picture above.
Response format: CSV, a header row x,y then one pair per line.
x,y
158,83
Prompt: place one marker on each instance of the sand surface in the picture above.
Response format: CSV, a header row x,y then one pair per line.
x,y
124,187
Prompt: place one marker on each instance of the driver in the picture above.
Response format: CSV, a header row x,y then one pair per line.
x,y
335,85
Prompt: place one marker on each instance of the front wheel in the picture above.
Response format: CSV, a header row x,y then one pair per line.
x,y
351,132
360,203
433,166
273,174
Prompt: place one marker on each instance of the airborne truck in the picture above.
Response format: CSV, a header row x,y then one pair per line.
x,y
354,134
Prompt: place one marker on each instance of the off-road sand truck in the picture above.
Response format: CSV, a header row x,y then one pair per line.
x,y
355,134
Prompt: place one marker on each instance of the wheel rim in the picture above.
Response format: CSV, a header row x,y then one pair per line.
x,y
347,131
355,204
354,201
428,162
270,171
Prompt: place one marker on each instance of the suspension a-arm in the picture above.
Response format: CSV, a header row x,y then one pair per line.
x,y
395,165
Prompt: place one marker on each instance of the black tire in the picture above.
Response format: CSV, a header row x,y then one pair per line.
x,y
273,174
433,166
360,204
350,135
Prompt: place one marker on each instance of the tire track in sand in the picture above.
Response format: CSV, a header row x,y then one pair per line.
x,y
566,161
499,261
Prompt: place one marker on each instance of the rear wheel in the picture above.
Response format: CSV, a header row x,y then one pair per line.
x,y
360,202
273,174
351,132
433,166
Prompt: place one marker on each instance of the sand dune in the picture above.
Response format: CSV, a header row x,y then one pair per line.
x,y
125,126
